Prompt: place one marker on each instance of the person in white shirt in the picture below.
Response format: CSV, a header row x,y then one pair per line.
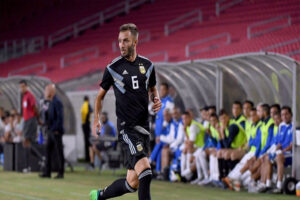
x,y
173,140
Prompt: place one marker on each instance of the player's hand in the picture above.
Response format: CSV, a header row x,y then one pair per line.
x,y
157,104
96,127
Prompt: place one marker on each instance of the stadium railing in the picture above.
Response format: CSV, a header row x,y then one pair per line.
x,y
41,65
222,5
282,44
15,48
79,56
144,36
93,20
183,21
161,54
285,20
214,45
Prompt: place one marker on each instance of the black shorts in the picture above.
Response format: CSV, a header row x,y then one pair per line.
x,y
30,129
135,146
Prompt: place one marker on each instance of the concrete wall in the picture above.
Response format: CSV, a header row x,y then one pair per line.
x,y
76,99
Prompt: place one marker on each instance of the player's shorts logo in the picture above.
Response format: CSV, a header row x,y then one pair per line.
x,y
142,69
139,147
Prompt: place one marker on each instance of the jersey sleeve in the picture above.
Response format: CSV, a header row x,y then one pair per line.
x,y
107,80
152,79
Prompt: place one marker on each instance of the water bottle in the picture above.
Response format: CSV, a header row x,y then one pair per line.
x,y
298,189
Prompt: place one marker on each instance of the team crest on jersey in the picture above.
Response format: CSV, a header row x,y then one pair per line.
x,y
139,147
142,68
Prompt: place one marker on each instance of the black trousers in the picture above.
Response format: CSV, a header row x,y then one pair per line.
x,y
54,144
87,133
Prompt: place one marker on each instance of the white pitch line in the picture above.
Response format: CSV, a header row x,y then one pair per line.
x,y
20,195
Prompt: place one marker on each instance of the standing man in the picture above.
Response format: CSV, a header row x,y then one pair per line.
x,y
133,79
86,111
30,115
54,123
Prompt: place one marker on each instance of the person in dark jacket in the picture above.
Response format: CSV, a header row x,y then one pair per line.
x,y
55,131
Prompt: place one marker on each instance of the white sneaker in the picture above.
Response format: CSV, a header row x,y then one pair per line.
x,y
204,182
173,177
261,187
196,181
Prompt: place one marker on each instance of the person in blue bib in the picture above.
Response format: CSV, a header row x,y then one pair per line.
x,y
280,153
155,156
172,148
166,103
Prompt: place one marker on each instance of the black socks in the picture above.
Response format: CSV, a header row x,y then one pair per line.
x,y
121,186
117,188
144,186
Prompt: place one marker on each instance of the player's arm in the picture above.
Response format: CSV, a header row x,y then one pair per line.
x,y
155,98
98,108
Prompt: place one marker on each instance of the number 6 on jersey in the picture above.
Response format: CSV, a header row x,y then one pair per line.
x,y
135,82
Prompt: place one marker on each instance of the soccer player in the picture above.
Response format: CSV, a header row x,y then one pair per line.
x,y
166,103
232,138
156,154
194,141
234,177
282,153
133,79
247,106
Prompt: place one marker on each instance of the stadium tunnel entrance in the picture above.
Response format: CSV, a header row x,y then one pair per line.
x,y
260,77
10,96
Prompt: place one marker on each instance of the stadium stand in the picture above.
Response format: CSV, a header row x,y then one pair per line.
x,y
234,22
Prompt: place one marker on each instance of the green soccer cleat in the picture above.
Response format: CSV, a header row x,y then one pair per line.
x,y
94,194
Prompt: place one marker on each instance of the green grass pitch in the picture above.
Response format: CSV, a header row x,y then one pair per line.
x,y
77,185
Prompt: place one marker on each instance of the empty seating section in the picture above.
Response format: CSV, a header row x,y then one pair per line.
x,y
153,16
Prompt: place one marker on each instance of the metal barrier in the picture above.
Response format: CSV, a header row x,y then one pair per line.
x,y
93,20
41,65
159,53
35,44
79,56
60,35
281,44
220,8
251,34
183,21
144,36
15,48
188,51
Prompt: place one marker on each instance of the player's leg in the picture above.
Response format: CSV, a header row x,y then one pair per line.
x,y
197,155
183,160
221,162
156,151
236,156
253,168
118,187
280,170
213,165
227,161
144,174
204,167
121,186
165,159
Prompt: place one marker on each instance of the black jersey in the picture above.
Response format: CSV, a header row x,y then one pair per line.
x,y
131,81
